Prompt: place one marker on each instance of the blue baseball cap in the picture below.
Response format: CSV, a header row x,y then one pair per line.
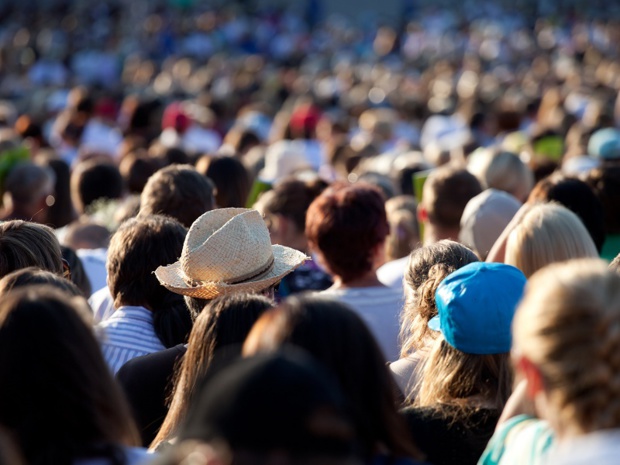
x,y
476,305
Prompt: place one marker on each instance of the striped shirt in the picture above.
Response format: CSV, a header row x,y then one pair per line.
x,y
127,334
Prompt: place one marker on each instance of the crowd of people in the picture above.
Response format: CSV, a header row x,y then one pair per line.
x,y
252,234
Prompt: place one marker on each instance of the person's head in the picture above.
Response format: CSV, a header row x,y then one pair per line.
x,y
57,396
444,197
95,179
503,171
566,345
33,276
136,168
578,197
284,209
137,248
606,184
484,218
24,244
178,191
86,234
337,337
404,233
346,226
27,189
548,233
273,409
222,326
230,178
426,269
61,212
469,363
228,251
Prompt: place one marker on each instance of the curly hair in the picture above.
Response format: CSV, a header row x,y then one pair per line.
x,y
426,269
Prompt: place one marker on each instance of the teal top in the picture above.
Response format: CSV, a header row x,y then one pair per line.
x,y
611,247
522,440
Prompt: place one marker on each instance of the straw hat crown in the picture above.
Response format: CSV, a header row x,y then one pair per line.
x,y
228,250
226,241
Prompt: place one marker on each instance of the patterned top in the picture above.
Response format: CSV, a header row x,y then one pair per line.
x,y
127,334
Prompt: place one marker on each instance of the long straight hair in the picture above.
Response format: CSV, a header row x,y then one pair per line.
x,y
57,395
225,322
337,337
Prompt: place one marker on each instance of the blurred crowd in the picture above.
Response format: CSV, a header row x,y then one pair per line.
x,y
251,233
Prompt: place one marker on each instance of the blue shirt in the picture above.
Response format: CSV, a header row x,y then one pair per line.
x,y
127,334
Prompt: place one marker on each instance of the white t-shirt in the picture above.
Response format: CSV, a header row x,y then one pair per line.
x,y
380,308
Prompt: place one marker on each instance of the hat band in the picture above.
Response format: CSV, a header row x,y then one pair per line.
x,y
237,279
253,274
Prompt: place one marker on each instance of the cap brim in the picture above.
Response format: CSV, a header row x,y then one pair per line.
x,y
285,261
435,323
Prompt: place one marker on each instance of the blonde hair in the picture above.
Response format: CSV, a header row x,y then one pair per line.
x,y
426,269
568,325
404,233
451,377
504,171
548,233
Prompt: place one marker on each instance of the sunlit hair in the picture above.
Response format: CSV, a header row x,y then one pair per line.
x,y
568,326
426,269
345,224
451,377
548,233
503,171
225,322
331,332
24,244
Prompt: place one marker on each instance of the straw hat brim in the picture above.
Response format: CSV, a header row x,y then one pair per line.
x,y
285,261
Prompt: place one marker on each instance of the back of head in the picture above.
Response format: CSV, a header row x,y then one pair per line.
x,y
93,180
446,193
548,233
578,197
230,178
606,183
57,395
484,219
33,276
503,171
220,328
291,199
24,244
426,269
568,325
178,191
470,360
345,225
331,332
27,184
282,405
136,250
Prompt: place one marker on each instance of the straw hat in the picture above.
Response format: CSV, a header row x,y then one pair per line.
x,y
226,251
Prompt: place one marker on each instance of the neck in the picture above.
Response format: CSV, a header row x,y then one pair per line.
x,y
367,280
434,233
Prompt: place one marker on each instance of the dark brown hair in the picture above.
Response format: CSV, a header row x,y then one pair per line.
x,y
337,337
136,250
446,193
225,322
230,177
57,395
24,244
178,191
95,179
